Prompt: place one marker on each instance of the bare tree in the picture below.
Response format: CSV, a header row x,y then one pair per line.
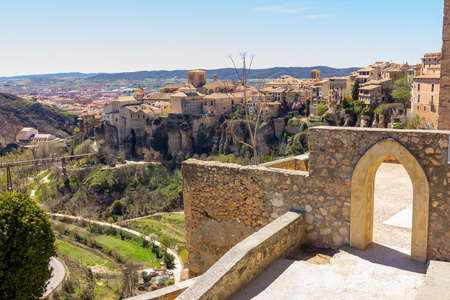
x,y
251,119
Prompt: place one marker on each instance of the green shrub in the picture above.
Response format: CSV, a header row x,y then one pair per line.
x,y
321,109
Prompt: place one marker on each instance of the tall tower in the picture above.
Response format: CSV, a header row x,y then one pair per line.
x,y
444,95
315,74
197,78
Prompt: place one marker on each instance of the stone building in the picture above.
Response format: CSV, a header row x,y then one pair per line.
x,y
338,90
218,103
111,112
319,91
425,99
375,92
88,121
186,101
197,78
26,134
315,74
425,91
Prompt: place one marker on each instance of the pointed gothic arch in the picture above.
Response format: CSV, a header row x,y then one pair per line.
x,y
362,196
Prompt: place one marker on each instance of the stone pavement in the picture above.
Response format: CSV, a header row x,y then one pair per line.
x,y
384,270
379,272
437,282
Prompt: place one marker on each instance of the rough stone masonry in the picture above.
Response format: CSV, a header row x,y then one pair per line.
x,y
224,203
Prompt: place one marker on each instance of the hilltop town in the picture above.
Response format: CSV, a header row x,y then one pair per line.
x,y
381,95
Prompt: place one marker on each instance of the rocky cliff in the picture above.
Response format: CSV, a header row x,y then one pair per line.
x,y
194,134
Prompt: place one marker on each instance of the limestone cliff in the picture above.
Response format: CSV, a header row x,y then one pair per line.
x,y
192,134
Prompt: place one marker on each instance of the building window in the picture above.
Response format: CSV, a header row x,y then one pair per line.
x,y
418,107
432,87
418,87
424,108
418,98
432,99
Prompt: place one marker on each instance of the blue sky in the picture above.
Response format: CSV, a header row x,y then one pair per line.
x,y
118,36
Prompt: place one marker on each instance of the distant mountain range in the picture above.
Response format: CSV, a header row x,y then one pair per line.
x,y
222,74
227,73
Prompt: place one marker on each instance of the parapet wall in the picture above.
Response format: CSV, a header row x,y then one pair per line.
x,y
248,258
225,203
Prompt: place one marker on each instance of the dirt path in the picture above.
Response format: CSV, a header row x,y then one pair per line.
x,y
42,181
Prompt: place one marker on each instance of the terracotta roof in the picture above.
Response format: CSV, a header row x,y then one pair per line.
x,y
157,96
429,76
370,87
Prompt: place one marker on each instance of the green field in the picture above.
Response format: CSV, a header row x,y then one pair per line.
x,y
127,249
113,246
166,225
84,257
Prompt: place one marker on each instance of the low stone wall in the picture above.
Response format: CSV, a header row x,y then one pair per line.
x,y
248,258
299,163
167,293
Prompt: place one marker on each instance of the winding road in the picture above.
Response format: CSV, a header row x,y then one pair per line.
x,y
178,264
58,274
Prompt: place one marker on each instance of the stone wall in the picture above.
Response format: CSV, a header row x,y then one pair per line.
x,y
444,96
299,163
225,203
248,258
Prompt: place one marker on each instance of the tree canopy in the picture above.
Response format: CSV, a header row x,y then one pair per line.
x,y
401,90
355,90
27,242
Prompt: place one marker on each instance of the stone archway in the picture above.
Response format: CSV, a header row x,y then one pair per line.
x,y
362,196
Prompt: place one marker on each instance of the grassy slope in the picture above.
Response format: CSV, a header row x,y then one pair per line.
x,y
45,119
122,247
78,254
170,225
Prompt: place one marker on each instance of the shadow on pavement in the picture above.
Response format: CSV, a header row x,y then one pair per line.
x,y
263,280
383,255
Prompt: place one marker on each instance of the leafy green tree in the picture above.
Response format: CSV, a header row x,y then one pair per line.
x,y
27,242
321,109
347,103
117,208
359,107
401,90
165,243
160,141
169,260
308,109
355,90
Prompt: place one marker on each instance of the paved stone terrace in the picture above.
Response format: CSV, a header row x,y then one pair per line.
x,y
382,271
378,272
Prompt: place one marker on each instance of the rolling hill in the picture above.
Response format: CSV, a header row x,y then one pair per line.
x,y
16,113
226,73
